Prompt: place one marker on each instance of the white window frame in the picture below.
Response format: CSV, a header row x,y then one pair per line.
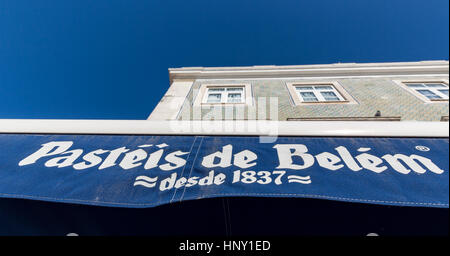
x,y
202,95
337,89
224,94
318,93
404,85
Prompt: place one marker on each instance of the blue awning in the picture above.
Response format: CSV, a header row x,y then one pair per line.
x,y
146,171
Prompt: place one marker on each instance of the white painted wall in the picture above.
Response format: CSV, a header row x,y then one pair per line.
x,y
172,101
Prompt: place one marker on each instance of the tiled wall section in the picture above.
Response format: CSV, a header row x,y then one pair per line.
x,y
372,94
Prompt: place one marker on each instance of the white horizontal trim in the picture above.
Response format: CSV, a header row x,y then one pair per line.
x,y
322,77
306,70
253,128
440,67
318,66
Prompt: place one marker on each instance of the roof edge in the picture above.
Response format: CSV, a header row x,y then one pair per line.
x,y
341,69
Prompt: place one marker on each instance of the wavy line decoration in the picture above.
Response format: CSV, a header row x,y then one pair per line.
x,y
145,181
299,179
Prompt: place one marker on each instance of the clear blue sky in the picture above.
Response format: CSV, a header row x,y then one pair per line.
x,y
108,59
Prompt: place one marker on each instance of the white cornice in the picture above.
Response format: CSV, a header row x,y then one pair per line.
x,y
339,69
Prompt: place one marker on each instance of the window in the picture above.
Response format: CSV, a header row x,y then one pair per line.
x,y
428,91
319,92
432,91
212,94
225,95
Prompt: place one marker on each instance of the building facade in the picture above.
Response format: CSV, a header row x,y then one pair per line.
x,y
403,91
333,135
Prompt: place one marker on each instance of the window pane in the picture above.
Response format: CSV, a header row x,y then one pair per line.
x,y
445,91
330,96
302,88
436,85
234,97
308,96
216,89
323,87
235,89
214,98
429,94
415,85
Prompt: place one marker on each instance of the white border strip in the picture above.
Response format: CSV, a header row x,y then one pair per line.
x,y
307,78
413,68
243,128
